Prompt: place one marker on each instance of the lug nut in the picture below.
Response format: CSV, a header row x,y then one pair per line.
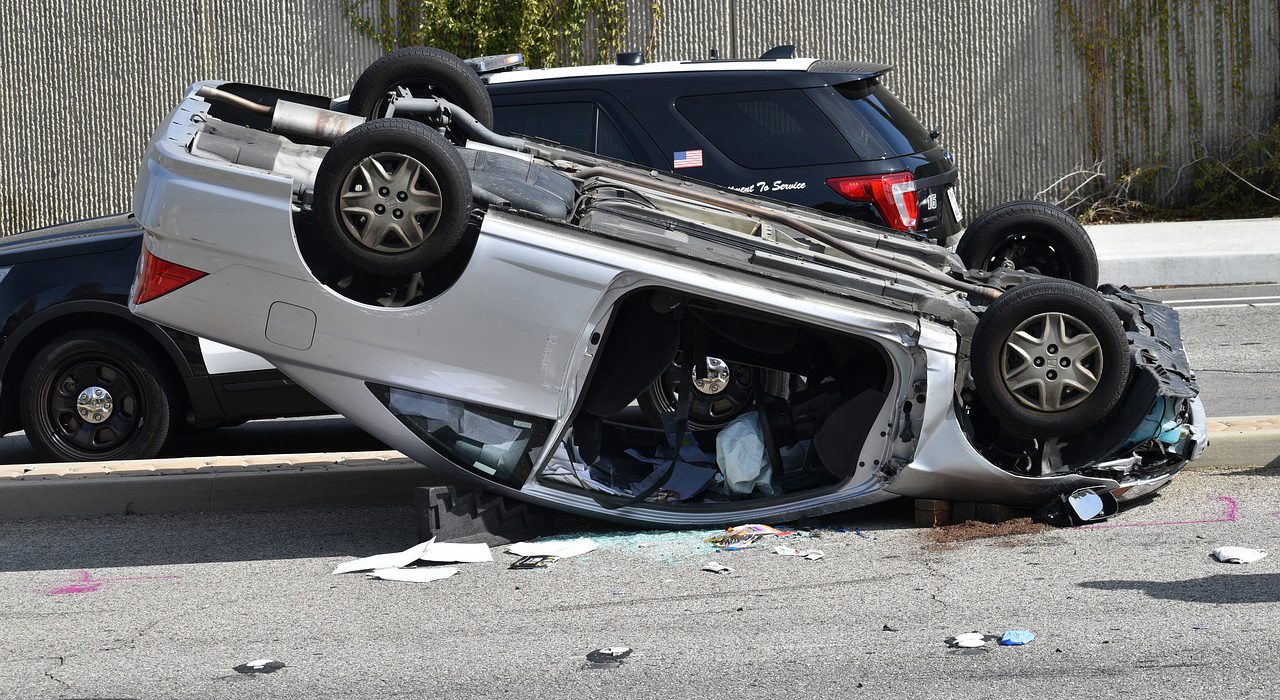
x,y
1038,362
397,213
1051,374
1064,362
402,196
1053,349
379,209
384,191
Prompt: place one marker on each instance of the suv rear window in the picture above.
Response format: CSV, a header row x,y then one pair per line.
x,y
771,129
879,126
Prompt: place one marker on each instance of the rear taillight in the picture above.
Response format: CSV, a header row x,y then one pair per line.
x,y
158,277
894,194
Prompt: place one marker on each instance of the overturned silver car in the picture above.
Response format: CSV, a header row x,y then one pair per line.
x,y
586,335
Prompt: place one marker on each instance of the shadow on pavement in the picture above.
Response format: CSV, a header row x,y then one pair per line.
x,y
1219,588
187,538
95,542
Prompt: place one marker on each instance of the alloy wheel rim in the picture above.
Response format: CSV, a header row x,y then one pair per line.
x,y
390,203
1051,362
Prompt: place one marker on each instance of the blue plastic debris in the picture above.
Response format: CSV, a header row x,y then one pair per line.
x,y
1016,638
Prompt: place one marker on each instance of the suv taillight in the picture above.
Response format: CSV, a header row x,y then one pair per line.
x,y
894,194
158,277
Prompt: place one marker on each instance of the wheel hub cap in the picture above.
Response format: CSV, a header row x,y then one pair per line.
x,y
716,378
390,203
94,404
1051,362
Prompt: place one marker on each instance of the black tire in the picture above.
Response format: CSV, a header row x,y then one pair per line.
x,y
369,243
1034,236
998,367
711,411
143,406
426,72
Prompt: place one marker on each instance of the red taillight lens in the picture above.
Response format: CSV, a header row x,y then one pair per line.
x,y
158,277
894,194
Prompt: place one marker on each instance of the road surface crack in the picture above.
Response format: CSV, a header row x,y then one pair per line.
x,y
49,673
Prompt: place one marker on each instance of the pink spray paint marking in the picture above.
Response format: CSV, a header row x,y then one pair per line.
x,y
86,583
1230,516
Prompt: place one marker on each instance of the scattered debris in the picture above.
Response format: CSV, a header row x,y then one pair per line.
x,y
394,560
538,561
609,655
864,535
744,536
420,575
560,549
1238,555
456,553
1016,638
1199,627
429,551
716,567
810,554
968,640
977,530
887,628
259,666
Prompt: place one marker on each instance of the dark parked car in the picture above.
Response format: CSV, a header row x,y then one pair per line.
x,y
823,134
87,379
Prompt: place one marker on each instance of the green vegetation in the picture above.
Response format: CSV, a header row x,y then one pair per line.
x,y
1141,66
547,32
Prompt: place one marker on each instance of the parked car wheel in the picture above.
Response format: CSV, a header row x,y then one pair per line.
x,y
425,72
1032,236
392,197
96,395
726,390
1050,358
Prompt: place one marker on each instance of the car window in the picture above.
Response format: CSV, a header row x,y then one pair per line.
x,y
570,123
582,125
610,141
877,124
771,129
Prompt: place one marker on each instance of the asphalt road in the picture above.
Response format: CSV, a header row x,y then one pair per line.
x,y
1232,336
166,606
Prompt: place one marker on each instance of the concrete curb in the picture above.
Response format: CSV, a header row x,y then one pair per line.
x,y
1189,253
1246,441
210,484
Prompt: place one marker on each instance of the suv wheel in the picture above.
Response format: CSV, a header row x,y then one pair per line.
x,y
96,395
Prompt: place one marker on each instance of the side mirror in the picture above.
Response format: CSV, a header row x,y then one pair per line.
x,y
1079,508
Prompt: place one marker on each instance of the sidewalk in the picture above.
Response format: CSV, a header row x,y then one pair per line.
x,y
1189,253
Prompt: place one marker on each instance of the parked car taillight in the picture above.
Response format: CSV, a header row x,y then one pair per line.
x,y
894,194
159,277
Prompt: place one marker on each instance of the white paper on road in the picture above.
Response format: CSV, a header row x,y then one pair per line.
x,y
456,553
430,573
393,560
554,548
1238,555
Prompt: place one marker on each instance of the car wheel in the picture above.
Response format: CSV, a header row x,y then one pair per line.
x,y
1031,236
96,395
424,72
726,390
392,197
1050,358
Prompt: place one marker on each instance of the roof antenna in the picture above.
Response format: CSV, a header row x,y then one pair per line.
x,y
715,54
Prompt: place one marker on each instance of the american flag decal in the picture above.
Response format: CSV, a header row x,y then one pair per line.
x,y
687,159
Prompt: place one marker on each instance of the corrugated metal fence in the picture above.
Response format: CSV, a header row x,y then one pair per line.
x,y
1008,82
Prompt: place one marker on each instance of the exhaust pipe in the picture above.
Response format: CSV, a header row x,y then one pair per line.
x,y
291,118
